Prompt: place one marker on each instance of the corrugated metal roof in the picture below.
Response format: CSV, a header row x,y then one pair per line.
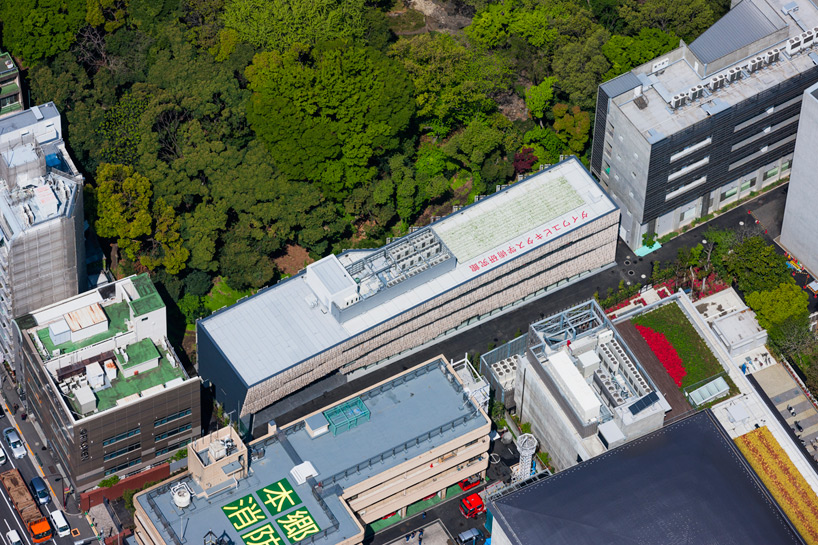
x,y
621,84
85,317
741,26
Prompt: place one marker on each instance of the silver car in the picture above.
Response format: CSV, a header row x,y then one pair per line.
x,y
18,448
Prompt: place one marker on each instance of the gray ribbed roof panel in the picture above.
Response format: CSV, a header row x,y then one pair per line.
x,y
620,84
740,27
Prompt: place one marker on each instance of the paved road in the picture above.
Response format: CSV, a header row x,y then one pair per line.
x,y
11,521
39,462
503,328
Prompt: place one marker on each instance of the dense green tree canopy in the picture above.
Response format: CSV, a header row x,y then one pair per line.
x,y
36,29
685,19
756,266
278,24
327,113
453,82
775,306
627,52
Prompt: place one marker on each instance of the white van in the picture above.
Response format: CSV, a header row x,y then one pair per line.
x,y
60,524
13,538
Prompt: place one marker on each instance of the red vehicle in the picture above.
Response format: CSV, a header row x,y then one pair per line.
x,y
390,515
471,482
472,506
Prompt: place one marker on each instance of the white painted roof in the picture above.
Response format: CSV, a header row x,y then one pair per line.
x,y
577,390
275,329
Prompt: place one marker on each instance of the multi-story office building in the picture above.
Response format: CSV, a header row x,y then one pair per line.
x,y
361,307
42,249
576,381
104,383
322,478
708,123
11,92
800,220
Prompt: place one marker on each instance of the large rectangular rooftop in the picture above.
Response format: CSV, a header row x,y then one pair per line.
x,y
409,415
750,29
288,323
684,483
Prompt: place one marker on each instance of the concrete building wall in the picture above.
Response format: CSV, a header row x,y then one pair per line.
x,y
587,248
625,165
800,227
549,424
498,533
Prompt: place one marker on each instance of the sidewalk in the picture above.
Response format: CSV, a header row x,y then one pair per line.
x,y
43,460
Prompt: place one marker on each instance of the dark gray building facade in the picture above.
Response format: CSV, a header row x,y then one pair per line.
x,y
707,124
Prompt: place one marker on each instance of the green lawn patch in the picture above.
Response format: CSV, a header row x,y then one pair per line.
x,y
223,295
697,358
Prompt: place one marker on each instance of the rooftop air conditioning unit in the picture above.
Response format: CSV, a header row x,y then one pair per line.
x,y
759,63
734,74
716,83
772,56
794,45
9,64
806,39
692,94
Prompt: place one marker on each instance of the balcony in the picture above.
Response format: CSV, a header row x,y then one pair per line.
x,y
11,108
9,89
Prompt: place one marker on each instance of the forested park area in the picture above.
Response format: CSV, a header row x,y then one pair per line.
x,y
238,139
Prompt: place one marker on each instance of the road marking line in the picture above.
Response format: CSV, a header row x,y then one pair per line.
x,y
23,531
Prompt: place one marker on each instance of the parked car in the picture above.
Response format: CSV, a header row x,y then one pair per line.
x,y
39,490
18,448
471,482
59,523
13,538
2,456
470,536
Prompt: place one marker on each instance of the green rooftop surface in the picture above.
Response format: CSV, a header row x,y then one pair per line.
x,y
138,353
118,315
489,224
149,299
123,387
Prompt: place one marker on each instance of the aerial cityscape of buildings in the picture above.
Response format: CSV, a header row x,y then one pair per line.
x,y
376,394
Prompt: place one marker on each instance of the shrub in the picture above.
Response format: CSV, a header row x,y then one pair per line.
x,y
108,482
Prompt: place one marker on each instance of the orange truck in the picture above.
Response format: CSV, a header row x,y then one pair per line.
x,y
34,521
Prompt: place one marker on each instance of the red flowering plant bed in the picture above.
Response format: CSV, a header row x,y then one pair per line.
x,y
667,355
662,293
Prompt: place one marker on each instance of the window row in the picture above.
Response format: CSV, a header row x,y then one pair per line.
x,y
120,437
124,465
172,447
175,431
121,451
171,418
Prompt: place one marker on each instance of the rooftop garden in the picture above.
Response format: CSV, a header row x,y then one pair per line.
x,y
696,358
782,479
122,387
